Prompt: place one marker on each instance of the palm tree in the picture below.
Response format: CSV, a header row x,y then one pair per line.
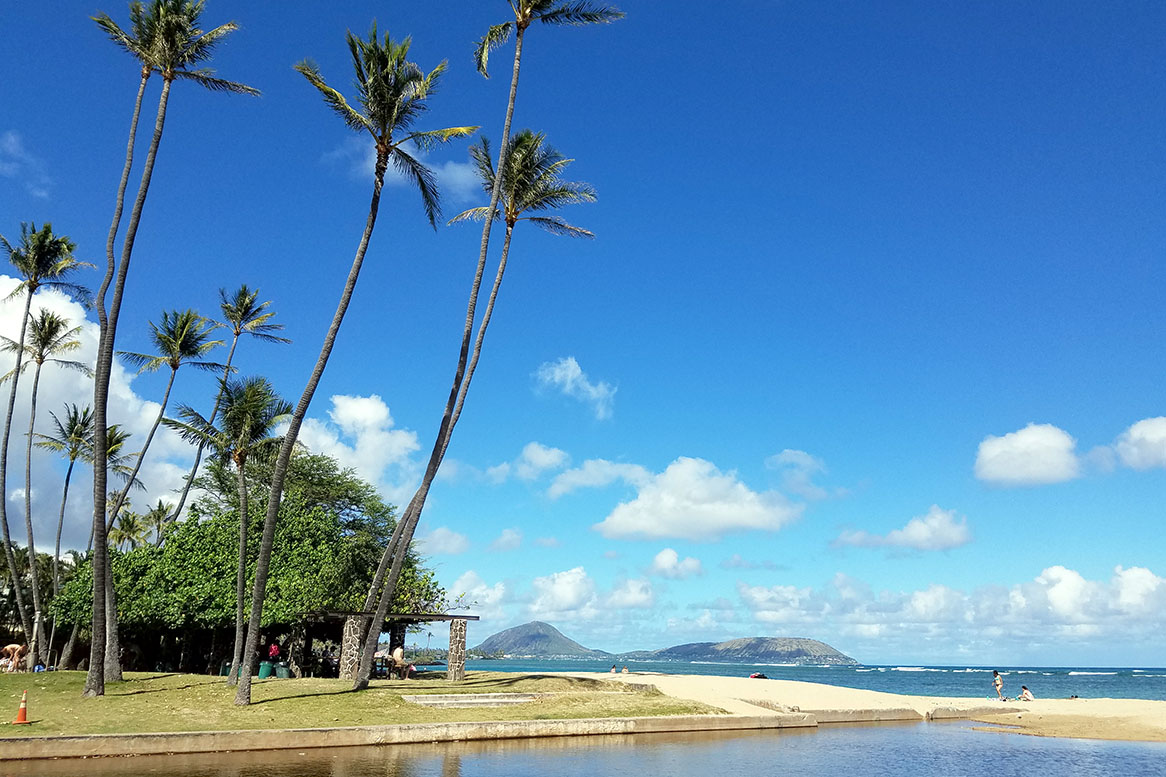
x,y
530,184
183,337
251,409
43,260
48,335
131,531
157,518
165,37
73,438
244,316
118,463
391,95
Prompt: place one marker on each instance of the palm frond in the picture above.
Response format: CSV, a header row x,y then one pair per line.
x,y
474,214
143,361
494,37
580,13
429,139
424,179
556,226
332,98
205,78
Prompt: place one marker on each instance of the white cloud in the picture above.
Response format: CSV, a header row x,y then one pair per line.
x,y
694,500
509,539
1143,445
537,458
566,595
18,163
937,530
1038,454
781,603
484,600
443,542
668,563
632,594
547,542
362,436
597,473
568,377
798,469
737,561
498,473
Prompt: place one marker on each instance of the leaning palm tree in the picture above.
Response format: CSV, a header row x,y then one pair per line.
x,y
182,338
251,410
164,37
531,186
49,335
391,94
43,260
245,316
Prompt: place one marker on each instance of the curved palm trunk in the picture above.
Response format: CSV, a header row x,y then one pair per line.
x,y
37,643
13,568
57,549
202,446
240,574
112,637
279,473
395,551
95,680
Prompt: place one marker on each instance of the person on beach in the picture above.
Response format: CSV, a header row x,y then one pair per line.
x,y
613,669
1025,694
625,669
998,682
15,654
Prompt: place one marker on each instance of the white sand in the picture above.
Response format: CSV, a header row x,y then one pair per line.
x,y
1129,719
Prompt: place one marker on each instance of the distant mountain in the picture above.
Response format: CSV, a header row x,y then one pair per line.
x,y
770,650
537,640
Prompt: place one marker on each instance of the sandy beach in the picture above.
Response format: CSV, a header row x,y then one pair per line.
x,y
1115,719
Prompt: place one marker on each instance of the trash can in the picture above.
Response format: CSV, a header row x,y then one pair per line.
x,y
282,670
225,669
265,669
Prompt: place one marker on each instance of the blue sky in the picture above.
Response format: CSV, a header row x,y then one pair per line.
x,y
867,347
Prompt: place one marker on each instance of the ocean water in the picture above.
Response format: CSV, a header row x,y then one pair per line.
x,y
964,681
904,750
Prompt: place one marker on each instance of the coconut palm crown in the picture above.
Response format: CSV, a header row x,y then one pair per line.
x,y
546,11
391,94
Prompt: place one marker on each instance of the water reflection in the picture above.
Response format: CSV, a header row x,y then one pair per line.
x,y
898,750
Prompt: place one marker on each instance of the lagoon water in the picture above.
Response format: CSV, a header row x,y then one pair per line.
x,y
903,750
962,681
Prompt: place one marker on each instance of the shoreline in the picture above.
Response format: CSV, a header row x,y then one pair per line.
x,y
749,704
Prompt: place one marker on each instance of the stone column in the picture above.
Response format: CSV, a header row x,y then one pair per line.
x,y
350,645
456,661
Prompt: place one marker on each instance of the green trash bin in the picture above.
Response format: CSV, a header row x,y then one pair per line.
x,y
265,669
225,669
283,671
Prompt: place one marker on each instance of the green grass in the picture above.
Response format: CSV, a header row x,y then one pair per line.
x,y
153,702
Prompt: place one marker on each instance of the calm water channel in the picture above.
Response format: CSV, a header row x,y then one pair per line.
x,y
912,750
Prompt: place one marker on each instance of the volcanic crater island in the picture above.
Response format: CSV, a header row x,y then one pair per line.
x,y
540,640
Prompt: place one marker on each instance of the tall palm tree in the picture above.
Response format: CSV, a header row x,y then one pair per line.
x,y
244,315
119,462
251,409
43,260
157,518
131,531
526,12
73,438
164,37
49,335
391,94
530,185
183,337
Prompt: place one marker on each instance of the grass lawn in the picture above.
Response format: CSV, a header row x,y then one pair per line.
x,y
157,702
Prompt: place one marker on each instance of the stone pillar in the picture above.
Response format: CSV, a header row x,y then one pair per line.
x,y
456,661
295,651
350,645
396,635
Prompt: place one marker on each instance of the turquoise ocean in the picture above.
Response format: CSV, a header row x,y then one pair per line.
x,y
965,681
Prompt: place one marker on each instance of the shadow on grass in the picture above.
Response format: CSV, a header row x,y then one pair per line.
x,y
113,689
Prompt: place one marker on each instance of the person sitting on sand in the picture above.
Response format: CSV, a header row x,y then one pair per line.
x,y
1025,694
625,669
613,669
998,682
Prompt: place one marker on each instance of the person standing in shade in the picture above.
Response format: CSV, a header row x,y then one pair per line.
x,y
998,683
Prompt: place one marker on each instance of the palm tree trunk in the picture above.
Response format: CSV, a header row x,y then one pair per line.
x,y
395,547
13,568
36,644
95,680
57,549
240,577
202,446
279,472
112,637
